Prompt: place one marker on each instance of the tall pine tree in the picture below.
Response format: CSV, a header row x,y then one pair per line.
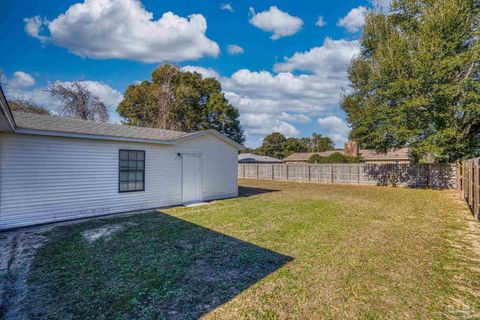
x,y
416,80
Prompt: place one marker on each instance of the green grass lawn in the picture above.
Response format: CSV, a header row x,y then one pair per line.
x,y
282,250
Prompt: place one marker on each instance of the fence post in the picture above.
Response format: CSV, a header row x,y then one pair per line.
x,y
472,182
472,195
309,172
427,175
358,173
459,177
243,171
257,170
331,173
468,175
287,171
467,181
273,172
475,189
465,178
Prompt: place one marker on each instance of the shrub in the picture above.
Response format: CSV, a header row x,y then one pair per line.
x,y
335,157
316,159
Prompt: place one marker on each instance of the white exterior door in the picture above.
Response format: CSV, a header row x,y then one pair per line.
x,y
191,179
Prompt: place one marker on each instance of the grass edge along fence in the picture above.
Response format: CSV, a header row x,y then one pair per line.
x,y
469,184
439,176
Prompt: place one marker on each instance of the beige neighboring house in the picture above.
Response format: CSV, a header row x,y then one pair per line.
x,y
397,156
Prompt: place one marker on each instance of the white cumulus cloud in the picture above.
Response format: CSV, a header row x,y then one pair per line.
x,y
320,22
294,117
261,124
280,23
205,72
264,92
354,20
335,128
281,99
22,79
34,26
226,6
278,100
124,29
233,49
330,60
109,96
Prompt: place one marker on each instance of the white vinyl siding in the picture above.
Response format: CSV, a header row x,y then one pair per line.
x,y
45,179
219,166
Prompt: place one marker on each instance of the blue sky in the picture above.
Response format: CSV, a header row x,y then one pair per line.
x,y
278,63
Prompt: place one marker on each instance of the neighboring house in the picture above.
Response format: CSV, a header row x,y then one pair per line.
x,y
397,156
54,168
253,158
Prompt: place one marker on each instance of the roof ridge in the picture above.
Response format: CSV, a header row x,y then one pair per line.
x,y
107,123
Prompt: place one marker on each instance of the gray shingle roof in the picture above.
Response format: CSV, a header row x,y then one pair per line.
x,y
394,154
252,158
304,156
71,125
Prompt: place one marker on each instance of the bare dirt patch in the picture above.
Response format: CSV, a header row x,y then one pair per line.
x,y
104,232
17,250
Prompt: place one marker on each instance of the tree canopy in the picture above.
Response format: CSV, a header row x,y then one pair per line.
x,y
27,107
278,146
273,145
319,143
416,80
183,101
335,157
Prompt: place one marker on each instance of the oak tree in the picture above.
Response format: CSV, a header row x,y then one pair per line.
x,y
416,81
177,100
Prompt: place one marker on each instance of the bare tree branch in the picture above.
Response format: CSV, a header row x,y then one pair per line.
x,y
78,101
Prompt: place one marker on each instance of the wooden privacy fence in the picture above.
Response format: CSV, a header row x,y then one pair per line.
x,y
468,183
427,175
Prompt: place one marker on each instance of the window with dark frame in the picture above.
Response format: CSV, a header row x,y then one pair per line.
x,y
131,171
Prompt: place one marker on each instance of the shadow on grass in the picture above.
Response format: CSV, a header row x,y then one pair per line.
x,y
158,266
250,191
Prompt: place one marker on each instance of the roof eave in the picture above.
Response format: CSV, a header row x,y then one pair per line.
x,y
6,112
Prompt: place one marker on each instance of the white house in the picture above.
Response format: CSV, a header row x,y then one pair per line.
x,y
54,168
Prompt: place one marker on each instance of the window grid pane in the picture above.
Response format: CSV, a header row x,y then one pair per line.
x,y
131,170
123,155
123,186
